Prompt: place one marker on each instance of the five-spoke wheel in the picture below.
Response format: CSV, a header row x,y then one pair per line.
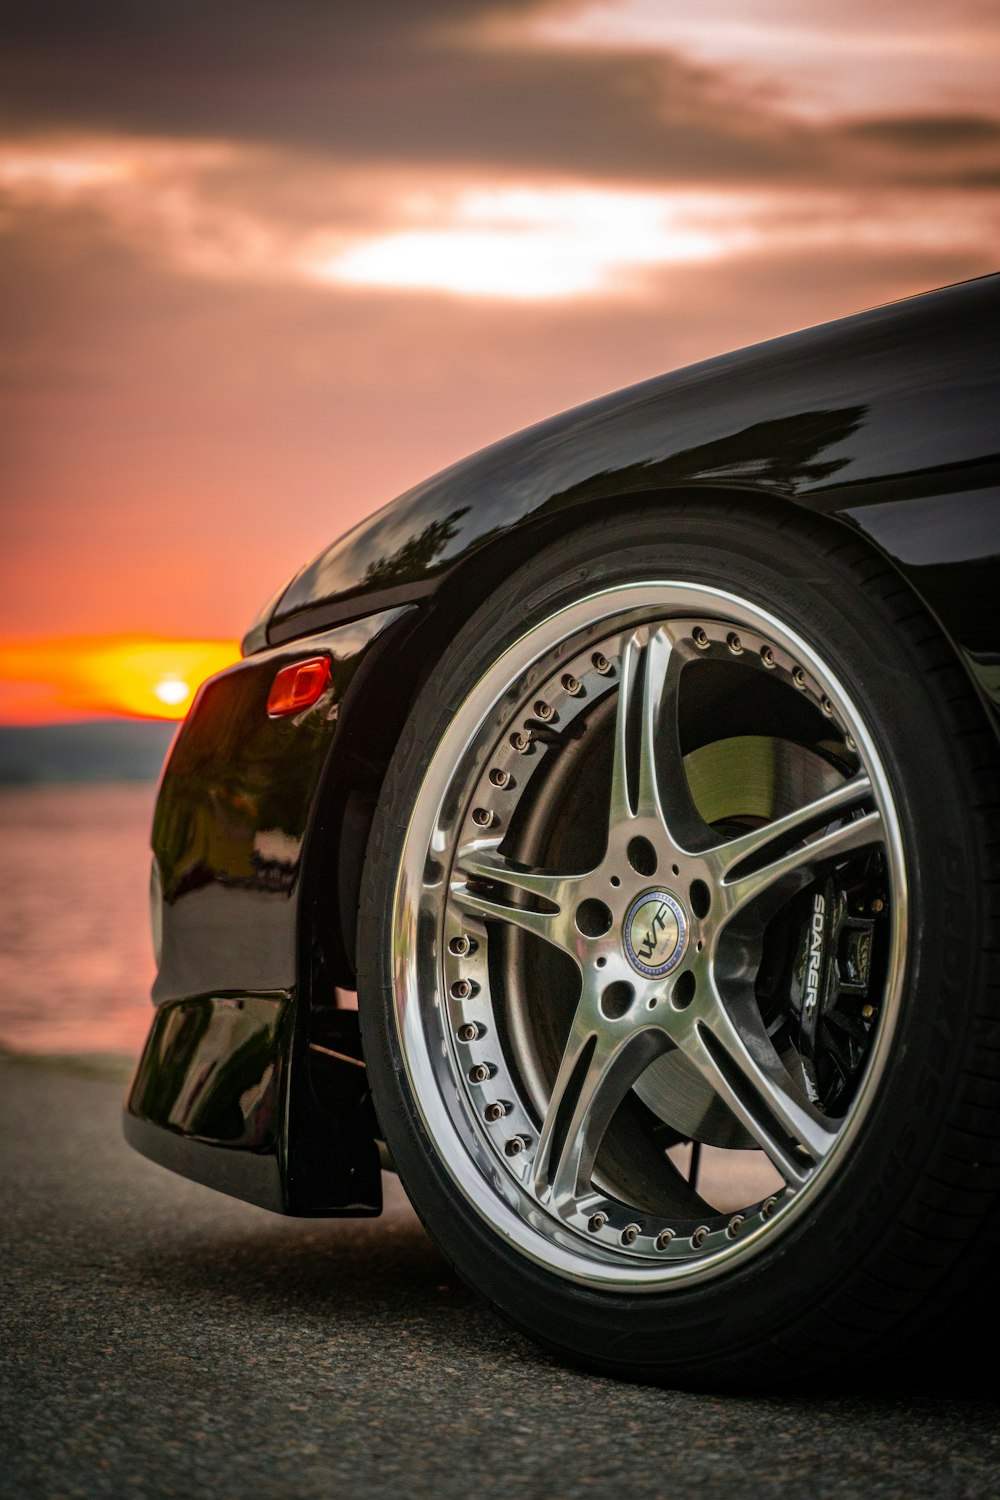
x,y
658,926
644,1025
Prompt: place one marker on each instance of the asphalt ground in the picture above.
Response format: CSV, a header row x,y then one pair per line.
x,y
159,1339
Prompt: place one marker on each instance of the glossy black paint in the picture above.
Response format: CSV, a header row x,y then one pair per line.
x,y
232,816
207,1098
948,547
857,419
252,1079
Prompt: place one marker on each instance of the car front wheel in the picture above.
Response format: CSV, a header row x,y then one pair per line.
x,y
674,938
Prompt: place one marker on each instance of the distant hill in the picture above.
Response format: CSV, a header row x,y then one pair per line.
x,y
97,750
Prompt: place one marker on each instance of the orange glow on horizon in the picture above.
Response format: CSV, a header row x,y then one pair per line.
x,y
78,677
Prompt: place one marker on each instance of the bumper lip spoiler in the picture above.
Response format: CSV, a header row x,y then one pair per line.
x,y
211,1100
251,1176
207,1098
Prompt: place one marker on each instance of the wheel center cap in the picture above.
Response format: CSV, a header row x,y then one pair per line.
x,y
655,931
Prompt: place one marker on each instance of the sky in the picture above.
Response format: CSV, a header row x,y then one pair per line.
x,y
265,265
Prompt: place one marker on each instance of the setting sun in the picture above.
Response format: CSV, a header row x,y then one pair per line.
x,y
173,691
90,676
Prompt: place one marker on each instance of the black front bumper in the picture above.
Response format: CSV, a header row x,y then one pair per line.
x,y
233,1088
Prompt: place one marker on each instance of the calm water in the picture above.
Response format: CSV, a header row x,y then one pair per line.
x,y
76,961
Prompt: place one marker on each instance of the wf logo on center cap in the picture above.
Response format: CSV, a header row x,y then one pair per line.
x,y
655,933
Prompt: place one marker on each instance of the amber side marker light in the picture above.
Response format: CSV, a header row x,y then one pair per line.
x,y
298,686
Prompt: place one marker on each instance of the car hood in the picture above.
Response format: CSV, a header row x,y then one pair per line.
x,y
814,416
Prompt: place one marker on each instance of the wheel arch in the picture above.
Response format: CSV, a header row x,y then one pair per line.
x,y
374,715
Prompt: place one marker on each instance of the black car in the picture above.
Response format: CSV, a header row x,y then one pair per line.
x,y
641,775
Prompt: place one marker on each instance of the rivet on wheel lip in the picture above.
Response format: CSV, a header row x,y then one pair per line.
x,y
572,685
480,1073
495,1111
734,1226
543,710
665,1239
700,1236
826,706
461,945
767,656
468,1033
521,741
734,643
499,777
483,818
463,989
597,1221
767,1207
700,638
515,1145
601,663
799,677
630,1234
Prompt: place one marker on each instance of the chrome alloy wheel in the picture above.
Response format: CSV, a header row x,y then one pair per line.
x,y
648,949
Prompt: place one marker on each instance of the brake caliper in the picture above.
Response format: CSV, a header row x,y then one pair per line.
x,y
832,979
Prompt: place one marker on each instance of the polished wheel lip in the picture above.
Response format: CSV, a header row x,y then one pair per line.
x,y
477,1160
676,953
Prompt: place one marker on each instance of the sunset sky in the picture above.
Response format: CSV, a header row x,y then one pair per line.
x,y
265,265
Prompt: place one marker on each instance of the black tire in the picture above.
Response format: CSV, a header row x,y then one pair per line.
x,y
882,1245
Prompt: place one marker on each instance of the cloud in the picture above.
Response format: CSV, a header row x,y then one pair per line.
x,y
262,267
380,82
829,58
930,132
176,444
620,93
239,214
